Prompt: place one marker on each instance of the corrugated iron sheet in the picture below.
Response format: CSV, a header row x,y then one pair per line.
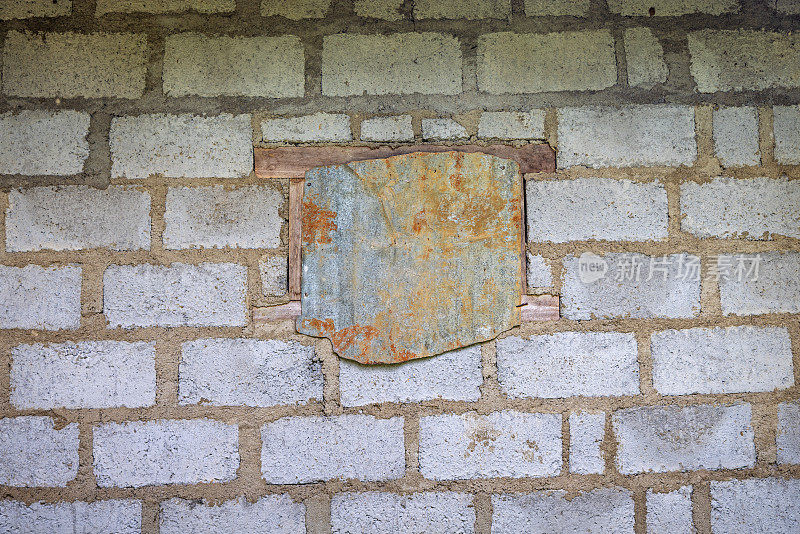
x,y
411,256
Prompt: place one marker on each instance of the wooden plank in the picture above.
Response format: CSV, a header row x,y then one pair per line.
x,y
295,235
293,162
534,308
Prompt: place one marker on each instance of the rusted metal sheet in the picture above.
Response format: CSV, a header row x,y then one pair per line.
x,y
411,256
293,162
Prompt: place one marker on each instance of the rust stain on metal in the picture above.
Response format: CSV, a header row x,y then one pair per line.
x,y
412,255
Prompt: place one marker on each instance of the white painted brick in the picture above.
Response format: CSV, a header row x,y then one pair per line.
x,y
34,453
143,453
668,8
401,63
319,127
535,63
76,217
788,440
671,512
567,364
607,510
24,9
671,292
92,65
218,217
274,275
443,129
164,6
501,444
512,124
42,298
595,208
462,9
276,514
454,375
627,137
181,146
388,513
379,9
248,372
296,9
539,272
202,65
775,289
742,60
755,506
750,208
644,57
297,450
735,134
735,359
98,517
668,438
575,8
43,142
208,294
786,126
397,128
586,433
88,374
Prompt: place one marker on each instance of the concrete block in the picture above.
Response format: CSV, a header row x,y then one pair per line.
x,y
539,272
34,453
788,440
274,271
786,127
670,512
277,514
164,6
117,516
442,129
586,434
671,8
26,9
40,298
756,506
43,142
379,9
397,128
296,9
539,8
512,124
319,127
462,9
735,133
770,283
644,57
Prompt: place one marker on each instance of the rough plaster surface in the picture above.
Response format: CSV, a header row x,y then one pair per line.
x,y
670,512
107,516
23,9
625,291
669,438
209,294
442,129
43,142
74,217
397,128
276,514
608,510
586,433
218,217
248,372
34,453
645,58
788,439
88,374
721,360
750,208
567,364
595,208
319,127
775,289
757,506
427,63
630,136
164,6
143,453
454,375
70,65
43,298
501,444
735,134
387,513
535,63
196,64
512,124
786,125
740,60
178,146
298,450
274,271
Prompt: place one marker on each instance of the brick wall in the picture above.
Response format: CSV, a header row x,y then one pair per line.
x,y
138,395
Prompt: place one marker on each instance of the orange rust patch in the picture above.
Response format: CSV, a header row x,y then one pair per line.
x,y
318,223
